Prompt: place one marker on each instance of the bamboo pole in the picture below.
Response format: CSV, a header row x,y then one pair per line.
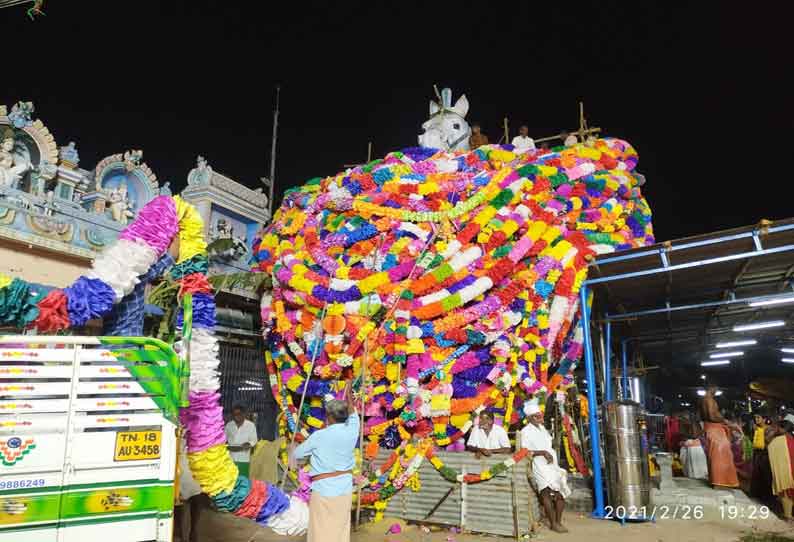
x,y
507,133
303,397
362,386
369,157
441,501
589,131
366,354
514,503
582,132
363,392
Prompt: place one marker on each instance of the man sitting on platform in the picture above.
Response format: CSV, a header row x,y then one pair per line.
x,y
487,438
549,479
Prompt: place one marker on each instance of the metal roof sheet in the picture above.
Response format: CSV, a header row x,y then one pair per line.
x,y
677,299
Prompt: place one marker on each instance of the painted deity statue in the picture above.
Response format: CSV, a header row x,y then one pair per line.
x,y
201,174
223,230
11,168
119,204
447,128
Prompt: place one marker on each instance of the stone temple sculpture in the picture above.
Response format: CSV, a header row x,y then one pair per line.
x,y
119,204
11,168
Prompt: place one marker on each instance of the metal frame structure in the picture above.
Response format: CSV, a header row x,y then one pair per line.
x,y
728,247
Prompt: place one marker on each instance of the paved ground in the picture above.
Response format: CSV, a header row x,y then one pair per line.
x,y
216,527
609,531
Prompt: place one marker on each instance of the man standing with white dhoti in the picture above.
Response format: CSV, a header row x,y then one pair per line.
x,y
550,480
693,459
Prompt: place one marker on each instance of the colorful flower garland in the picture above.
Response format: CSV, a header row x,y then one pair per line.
x,y
116,273
452,475
453,277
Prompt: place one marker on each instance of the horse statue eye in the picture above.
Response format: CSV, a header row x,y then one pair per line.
x,y
456,126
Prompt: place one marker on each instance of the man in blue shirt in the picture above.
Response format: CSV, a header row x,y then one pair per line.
x,y
331,453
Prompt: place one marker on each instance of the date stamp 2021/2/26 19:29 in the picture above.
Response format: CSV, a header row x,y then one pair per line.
x,y
685,512
652,513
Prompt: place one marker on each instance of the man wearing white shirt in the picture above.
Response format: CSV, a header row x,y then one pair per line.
x,y
550,480
487,438
241,437
522,142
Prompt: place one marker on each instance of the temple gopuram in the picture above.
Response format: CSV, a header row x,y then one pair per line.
x,y
56,215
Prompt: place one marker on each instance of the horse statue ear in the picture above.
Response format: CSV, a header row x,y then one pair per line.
x,y
461,107
434,108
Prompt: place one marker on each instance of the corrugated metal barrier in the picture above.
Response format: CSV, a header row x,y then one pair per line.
x,y
485,507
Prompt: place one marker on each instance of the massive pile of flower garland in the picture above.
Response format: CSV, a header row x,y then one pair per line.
x,y
111,289
448,280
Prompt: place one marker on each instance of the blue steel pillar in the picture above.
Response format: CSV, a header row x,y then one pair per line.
x,y
608,395
625,371
592,406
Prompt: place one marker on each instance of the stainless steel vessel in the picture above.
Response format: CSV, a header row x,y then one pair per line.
x,y
636,391
629,480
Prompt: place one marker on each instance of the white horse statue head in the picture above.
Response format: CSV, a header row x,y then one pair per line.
x,y
447,128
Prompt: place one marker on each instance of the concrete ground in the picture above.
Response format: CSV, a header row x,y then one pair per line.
x,y
582,528
709,526
216,527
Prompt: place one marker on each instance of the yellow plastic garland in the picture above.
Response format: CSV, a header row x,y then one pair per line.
x,y
191,230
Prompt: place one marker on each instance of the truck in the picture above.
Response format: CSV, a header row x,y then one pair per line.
x,y
88,438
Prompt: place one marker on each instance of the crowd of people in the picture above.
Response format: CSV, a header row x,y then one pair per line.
x,y
755,454
752,453
330,454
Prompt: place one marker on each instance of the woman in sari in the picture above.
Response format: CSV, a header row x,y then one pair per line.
x,y
742,456
761,485
780,444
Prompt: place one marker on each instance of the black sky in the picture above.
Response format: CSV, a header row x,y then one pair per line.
x,y
699,88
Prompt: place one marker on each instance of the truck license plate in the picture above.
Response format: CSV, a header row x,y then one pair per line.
x,y
137,445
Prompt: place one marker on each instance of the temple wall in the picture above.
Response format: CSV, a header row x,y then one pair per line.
x,y
38,265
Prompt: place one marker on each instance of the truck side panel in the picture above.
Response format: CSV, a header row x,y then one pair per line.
x,y
88,452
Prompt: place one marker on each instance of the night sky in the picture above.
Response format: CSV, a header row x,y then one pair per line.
x,y
700,92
